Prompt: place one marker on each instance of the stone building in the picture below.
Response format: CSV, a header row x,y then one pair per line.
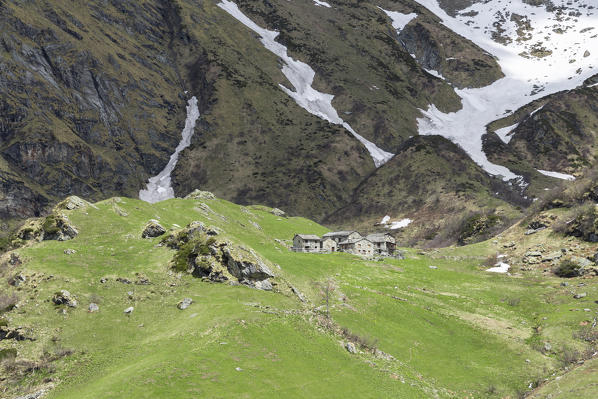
x,y
360,246
340,236
328,245
384,243
306,243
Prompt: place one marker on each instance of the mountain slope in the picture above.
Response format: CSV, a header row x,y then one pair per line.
x,y
452,330
105,98
435,184
556,133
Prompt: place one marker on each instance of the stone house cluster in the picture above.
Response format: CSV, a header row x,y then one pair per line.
x,y
346,241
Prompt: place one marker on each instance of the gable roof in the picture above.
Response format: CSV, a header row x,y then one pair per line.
x,y
307,236
378,237
354,241
339,233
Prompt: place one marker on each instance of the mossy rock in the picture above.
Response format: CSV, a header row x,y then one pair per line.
x,y
50,225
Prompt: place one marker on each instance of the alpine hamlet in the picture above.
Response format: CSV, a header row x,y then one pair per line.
x,y
351,242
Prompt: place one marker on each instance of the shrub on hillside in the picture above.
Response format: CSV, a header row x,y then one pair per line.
x,y
478,227
567,268
587,333
581,222
7,302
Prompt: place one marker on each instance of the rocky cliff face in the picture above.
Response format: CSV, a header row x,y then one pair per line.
x,y
90,99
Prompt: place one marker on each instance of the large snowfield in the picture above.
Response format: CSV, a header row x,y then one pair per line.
x,y
558,53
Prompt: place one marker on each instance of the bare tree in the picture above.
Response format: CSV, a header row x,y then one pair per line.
x,y
327,289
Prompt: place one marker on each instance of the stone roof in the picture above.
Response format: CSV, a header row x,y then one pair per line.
x,y
338,233
378,237
353,241
308,237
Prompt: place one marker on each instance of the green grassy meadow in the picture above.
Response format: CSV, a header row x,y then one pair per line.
x,y
453,331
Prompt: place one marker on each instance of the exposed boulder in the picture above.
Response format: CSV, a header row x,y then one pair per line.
x,y
200,195
15,259
93,307
191,232
73,202
552,256
129,310
350,347
63,297
34,395
184,304
142,279
244,263
52,227
534,231
13,333
215,258
17,280
581,262
263,285
278,212
58,227
152,229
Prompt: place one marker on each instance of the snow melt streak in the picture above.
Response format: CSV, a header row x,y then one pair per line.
x,y
301,77
322,3
556,175
159,187
564,65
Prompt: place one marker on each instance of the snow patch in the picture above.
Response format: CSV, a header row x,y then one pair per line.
x,y
385,219
400,224
159,188
535,111
527,77
557,175
434,73
322,3
593,85
504,133
301,76
399,20
500,267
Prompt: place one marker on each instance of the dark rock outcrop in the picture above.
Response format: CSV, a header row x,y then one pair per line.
x,y
153,229
217,259
63,297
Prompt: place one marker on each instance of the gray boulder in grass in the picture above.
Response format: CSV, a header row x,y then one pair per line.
x,y
153,229
184,304
63,297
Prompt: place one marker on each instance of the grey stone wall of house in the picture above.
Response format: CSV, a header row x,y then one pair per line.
x,y
346,241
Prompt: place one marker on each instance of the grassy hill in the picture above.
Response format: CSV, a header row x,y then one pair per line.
x,y
432,325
